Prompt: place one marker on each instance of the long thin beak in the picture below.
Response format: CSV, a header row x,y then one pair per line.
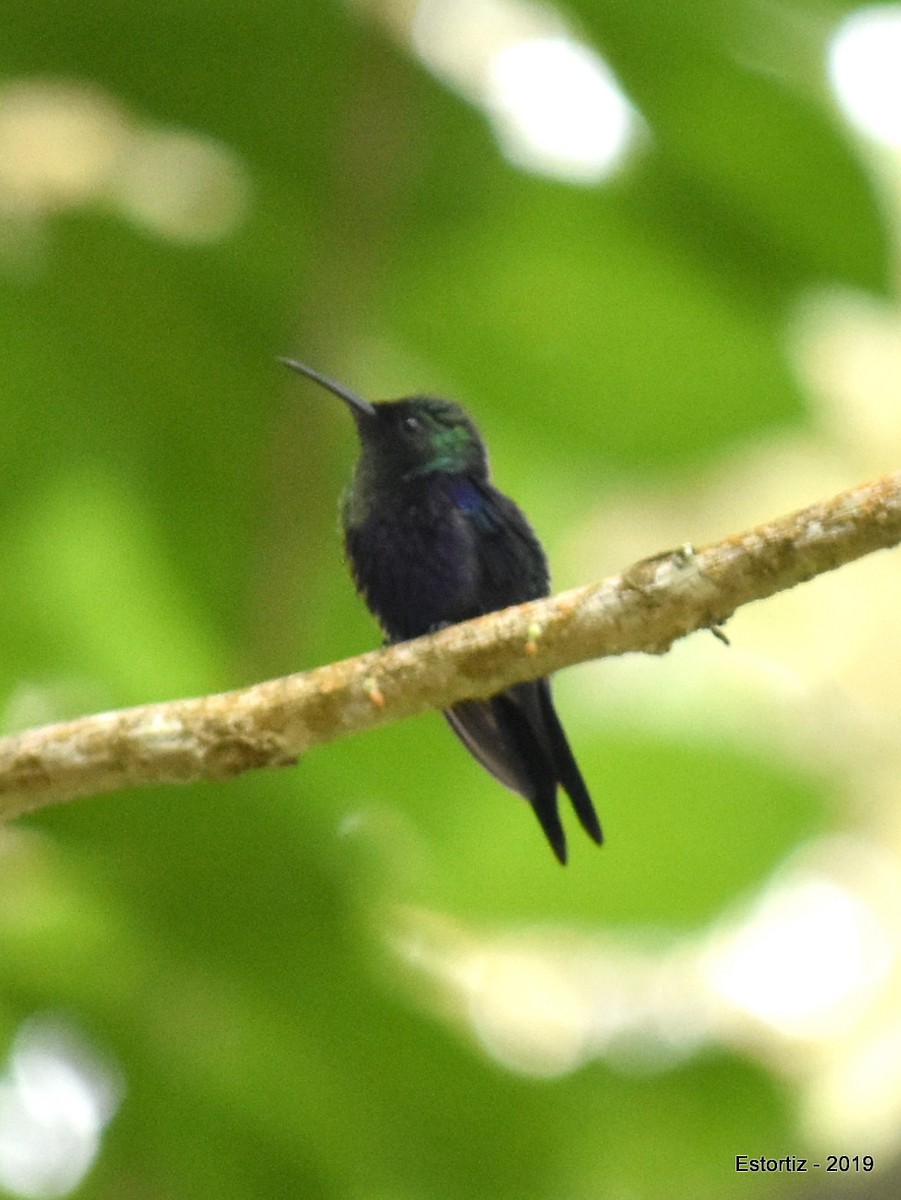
x,y
357,403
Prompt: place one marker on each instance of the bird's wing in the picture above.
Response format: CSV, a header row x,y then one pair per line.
x,y
512,566
498,735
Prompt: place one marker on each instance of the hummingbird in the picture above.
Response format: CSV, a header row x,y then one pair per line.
x,y
430,542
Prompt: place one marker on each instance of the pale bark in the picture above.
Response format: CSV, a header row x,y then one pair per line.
x,y
645,609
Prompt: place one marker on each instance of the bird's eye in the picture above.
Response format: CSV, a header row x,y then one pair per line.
x,y
411,424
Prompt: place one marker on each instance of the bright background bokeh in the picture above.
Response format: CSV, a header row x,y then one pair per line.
x,y
652,248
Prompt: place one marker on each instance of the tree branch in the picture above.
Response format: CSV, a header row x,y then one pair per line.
x,y
646,608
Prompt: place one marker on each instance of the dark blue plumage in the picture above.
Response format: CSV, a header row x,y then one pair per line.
x,y
431,542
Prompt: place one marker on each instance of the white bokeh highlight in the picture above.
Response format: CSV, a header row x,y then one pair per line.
x,y
864,66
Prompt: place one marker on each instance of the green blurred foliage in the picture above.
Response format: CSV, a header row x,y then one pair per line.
x,y
167,524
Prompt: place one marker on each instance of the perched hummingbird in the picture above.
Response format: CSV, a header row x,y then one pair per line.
x,y
431,542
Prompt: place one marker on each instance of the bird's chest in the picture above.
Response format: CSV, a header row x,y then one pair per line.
x,y
415,560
